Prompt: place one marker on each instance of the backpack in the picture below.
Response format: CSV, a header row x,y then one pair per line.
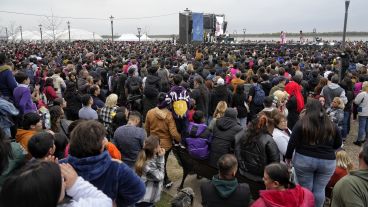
x,y
259,95
197,146
134,85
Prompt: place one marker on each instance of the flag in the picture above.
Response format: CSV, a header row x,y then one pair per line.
x,y
197,27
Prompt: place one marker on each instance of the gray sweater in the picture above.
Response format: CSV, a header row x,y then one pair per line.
x,y
362,101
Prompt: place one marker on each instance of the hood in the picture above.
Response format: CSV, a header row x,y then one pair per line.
x,y
4,67
161,113
225,123
21,133
91,168
224,187
333,85
283,198
152,80
363,174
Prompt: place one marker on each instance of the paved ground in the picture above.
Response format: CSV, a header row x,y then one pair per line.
x,y
175,170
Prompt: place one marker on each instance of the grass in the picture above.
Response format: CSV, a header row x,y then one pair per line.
x,y
165,200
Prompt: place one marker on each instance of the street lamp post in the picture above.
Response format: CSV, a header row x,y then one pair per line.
x,y
40,25
6,32
21,33
112,28
68,29
139,33
347,3
314,34
244,31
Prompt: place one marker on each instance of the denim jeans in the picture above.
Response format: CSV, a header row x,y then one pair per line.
x,y
314,174
363,128
346,125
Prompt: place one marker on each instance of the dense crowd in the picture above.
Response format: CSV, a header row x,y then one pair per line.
x,y
93,123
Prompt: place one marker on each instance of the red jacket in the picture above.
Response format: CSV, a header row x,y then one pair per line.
x,y
297,196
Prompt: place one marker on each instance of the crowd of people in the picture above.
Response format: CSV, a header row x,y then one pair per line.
x,y
93,123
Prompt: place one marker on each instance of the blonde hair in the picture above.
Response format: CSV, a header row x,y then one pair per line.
x,y
220,109
281,96
341,104
147,153
111,100
343,160
365,86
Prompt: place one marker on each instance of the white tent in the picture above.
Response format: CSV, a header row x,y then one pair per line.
x,y
128,38
49,34
144,37
26,35
78,34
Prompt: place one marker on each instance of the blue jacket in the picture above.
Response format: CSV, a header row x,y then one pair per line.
x,y
7,81
115,179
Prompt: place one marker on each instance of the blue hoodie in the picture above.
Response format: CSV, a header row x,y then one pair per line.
x,y
115,179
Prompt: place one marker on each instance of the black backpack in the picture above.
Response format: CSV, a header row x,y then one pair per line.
x,y
134,85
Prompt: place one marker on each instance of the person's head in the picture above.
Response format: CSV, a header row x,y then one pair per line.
x,y
276,176
38,183
231,113
134,118
268,101
337,103
73,125
255,78
41,145
177,79
163,100
61,141
365,86
227,165
60,102
32,121
316,125
22,78
111,100
280,121
87,139
363,157
120,119
72,76
335,79
255,128
198,117
322,100
343,160
198,81
56,113
95,90
150,148
87,100
281,97
49,82
220,109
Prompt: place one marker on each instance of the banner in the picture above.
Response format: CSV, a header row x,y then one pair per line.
x,y
219,26
197,26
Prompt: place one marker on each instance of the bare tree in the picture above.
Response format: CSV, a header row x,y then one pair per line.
x,y
52,23
12,28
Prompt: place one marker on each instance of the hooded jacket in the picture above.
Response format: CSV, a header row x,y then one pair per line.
x,y
351,190
23,137
153,81
160,122
115,179
331,91
7,81
225,193
219,93
223,140
297,196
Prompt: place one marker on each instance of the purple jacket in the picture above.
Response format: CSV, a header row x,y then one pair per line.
x,y
23,100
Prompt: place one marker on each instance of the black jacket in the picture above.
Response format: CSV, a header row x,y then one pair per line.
x,y
253,157
153,81
223,138
219,93
201,99
239,198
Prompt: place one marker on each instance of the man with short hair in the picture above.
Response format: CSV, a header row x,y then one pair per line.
x,y
89,158
224,189
130,138
95,93
32,124
333,90
352,190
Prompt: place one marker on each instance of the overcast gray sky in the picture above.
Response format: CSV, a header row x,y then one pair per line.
x,y
256,16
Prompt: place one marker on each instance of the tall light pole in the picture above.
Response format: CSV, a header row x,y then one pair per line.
x,y
21,33
314,34
244,31
139,33
6,32
68,29
112,28
347,3
40,25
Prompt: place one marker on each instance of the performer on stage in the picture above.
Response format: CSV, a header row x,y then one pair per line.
x,y
283,37
301,36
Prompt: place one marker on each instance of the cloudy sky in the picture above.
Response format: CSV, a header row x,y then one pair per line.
x,y
256,16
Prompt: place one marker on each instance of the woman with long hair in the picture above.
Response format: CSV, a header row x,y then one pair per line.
x,y
49,91
219,112
280,191
322,83
150,166
255,149
56,114
239,102
73,98
314,139
201,95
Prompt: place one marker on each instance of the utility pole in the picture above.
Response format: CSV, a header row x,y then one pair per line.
x,y
40,25
21,33
347,3
6,32
244,31
68,29
112,28
139,33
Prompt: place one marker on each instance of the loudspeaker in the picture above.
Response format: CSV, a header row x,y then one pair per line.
x,y
208,21
184,31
